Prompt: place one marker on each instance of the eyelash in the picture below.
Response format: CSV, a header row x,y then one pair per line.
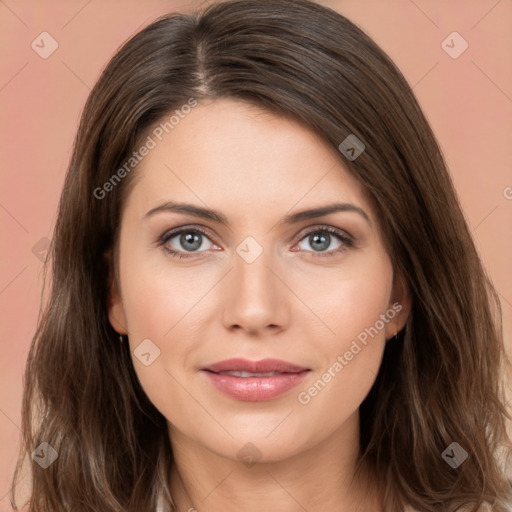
x,y
346,241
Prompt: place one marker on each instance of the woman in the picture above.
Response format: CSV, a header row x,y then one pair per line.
x,y
263,286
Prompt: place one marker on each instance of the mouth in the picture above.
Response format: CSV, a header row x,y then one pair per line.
x,y
244,375
254,381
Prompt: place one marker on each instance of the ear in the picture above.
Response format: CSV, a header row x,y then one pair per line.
x,y
400,303
116,313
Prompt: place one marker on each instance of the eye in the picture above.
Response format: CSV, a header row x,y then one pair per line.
x,y
188,240
322,237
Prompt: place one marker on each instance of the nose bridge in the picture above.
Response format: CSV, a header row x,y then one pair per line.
x,y
255,294
251,277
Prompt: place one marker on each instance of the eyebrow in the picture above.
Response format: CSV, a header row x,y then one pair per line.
x,y
293,218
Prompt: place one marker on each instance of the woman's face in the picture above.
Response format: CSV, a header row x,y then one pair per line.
x,y
261,280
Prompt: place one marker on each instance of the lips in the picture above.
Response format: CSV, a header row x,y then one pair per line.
x,y
263,366
243,379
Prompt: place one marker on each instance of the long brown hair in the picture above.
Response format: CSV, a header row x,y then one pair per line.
x,y
439,382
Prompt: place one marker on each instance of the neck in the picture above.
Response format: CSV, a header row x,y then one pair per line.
x,y
319,479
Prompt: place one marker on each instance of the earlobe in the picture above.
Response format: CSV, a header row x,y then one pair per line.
x,y
116,313
399,307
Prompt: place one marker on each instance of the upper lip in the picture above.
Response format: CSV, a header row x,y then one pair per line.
x,y
261,366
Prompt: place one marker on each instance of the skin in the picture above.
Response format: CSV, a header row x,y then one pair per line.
x,y
292,303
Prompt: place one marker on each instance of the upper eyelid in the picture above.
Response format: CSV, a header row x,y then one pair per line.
x,y
320,227
171,233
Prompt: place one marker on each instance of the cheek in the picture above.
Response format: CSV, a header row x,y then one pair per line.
x,y
360,302
349,298
162,305
158,296
167,305
352,305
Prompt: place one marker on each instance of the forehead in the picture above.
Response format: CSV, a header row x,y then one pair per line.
x,y
227,152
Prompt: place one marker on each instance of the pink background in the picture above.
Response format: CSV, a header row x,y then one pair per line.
x,y
468,101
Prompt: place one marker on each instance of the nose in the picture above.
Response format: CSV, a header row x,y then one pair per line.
x,y
256,300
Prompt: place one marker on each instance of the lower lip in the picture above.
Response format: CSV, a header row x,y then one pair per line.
x,y
256,389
